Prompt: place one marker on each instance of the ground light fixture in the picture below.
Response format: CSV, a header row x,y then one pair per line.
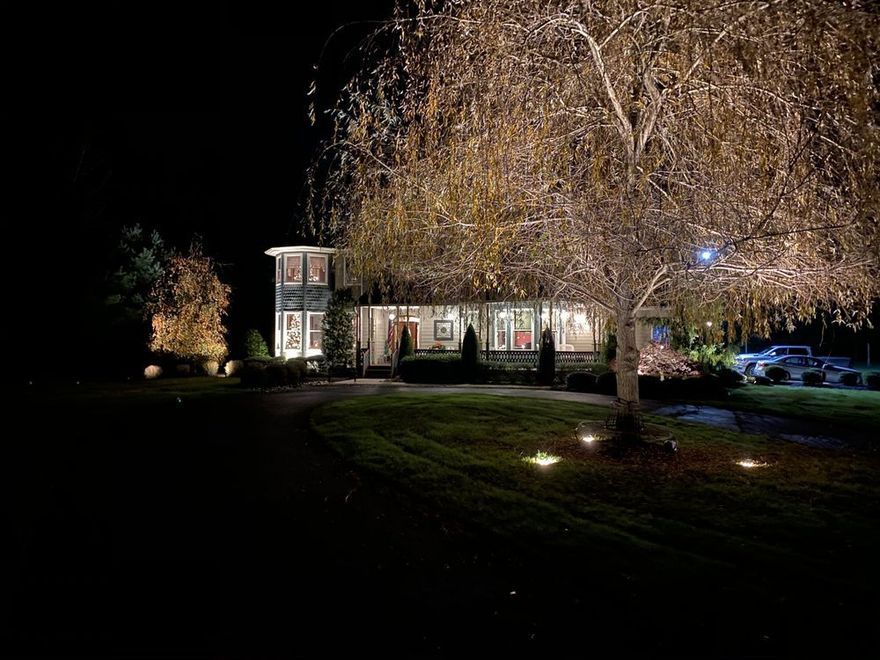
x,y
749,463
706,255
587,432
542,458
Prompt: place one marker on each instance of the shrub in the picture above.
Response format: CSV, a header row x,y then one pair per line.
x,y
873,381
470,353
813,377
580,381
547,359
253,373
502,373
850,379
431,369
609,350
651,387
183,369
153,371
730,377
255,345
607,383
233,367
277,375
297,369
774,373
210,367
406,346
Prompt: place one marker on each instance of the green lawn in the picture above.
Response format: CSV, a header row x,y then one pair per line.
x,y
802,530
850,407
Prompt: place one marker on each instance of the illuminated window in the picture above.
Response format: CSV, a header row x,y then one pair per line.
x,y
523,327
293,268
293,341
316,332
317,269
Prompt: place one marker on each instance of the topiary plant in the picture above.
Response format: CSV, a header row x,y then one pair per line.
x,y
255,345
470,353
546,359
813,377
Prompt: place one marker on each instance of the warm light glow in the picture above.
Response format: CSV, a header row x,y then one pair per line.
x,y
580,319
708,324
588,438
391,316
542,458
749,463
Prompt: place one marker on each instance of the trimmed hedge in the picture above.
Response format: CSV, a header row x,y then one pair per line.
x,y
873,381
432,369
850,380
272,372
580,381
774,373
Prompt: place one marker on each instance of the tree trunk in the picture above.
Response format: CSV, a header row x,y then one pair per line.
x,y
628,418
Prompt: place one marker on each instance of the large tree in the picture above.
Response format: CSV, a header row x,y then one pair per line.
x,y
187,308
619,153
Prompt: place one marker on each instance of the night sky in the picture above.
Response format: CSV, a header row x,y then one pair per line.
x,y
192,126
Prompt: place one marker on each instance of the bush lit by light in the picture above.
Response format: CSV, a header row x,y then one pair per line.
x,y
542,458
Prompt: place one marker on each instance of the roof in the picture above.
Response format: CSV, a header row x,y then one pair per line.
x,y
275,251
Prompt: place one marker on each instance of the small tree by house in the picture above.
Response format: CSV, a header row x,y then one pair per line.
x,y
187,308
547,358
470,353
254,344
338,341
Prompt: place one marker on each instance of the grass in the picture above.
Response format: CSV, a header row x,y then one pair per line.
x,y
673,528
850,407
141,391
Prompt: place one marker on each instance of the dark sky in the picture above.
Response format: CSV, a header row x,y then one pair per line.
x,y
189,123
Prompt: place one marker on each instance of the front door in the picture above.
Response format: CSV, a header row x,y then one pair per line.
x,y
413,332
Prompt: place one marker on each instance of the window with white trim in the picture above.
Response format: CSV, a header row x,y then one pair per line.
x,y
523,329
293,334
316,330
293,269
317,268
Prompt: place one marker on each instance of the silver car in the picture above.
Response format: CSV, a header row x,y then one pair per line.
x,y
793,367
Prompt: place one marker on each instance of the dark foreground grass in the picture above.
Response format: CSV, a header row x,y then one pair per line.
x,y
764,560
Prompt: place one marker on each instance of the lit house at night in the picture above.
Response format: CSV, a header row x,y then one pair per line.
x,y
306,276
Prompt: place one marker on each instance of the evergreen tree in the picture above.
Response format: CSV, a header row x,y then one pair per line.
x,y
338,341
470,353
547,358
255,345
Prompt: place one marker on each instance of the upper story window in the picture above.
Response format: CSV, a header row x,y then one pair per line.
x,y
317,269
293,268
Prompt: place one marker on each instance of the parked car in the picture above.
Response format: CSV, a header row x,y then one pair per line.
x,y
793,367
745,362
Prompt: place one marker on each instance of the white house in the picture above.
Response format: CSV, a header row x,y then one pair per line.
x,y
305,276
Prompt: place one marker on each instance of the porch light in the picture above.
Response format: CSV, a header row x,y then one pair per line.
x,y
542,458
748,463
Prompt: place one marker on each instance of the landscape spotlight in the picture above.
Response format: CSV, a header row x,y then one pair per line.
x,y
707,255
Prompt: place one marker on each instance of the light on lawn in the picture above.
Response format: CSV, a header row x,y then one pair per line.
x,y
542,458
748,463
586,433
708,324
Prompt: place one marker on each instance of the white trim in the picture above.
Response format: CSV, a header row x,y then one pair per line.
x,y
307,334
326,258
275,251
